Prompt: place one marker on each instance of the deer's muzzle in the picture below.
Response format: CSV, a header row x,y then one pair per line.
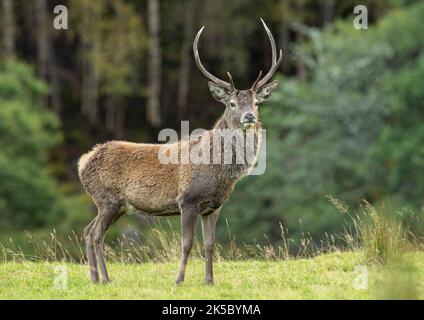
x,y
248,120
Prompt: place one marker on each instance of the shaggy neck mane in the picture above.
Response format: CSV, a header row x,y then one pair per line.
x,y
236,170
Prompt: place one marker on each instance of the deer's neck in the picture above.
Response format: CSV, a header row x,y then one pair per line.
x,y
223,123
248,141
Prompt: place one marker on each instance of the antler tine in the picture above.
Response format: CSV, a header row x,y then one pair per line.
x,y
275,63
271,39
271,71
256,81
231,80
199,64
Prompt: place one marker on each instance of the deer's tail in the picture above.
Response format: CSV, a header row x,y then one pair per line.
x,y
84,160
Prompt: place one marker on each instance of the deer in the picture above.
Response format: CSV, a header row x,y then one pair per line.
x,y
121,174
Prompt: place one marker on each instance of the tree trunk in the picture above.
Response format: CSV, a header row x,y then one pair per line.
x,y
47,69
327,11
89,94
30,21
115,116
42,38
185,58
89,87
110,113
89,81
8,18
119,129
154,64
284,33
300,68
55,84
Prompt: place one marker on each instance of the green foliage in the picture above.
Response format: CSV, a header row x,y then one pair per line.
x,y
28,194
114,42
353,130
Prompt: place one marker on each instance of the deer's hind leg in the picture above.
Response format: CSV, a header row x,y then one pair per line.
x,y
108,214
91,257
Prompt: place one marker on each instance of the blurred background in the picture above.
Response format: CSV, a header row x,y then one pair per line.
x,y
346,120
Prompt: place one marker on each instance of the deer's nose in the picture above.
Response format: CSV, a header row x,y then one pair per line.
x,y
249,117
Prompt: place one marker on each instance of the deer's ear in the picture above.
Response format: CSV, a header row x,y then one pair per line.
x,y
219,93
266,91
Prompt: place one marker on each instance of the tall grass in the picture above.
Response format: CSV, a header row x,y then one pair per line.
x,y
374,232
387,241
383,236
160,242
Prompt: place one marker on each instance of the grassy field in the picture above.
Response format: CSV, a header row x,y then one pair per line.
x,y
330,276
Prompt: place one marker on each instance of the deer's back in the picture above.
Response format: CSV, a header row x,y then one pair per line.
x,y
130,172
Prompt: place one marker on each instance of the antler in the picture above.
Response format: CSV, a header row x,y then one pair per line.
x,y
231,80
256,81
275,63
204,71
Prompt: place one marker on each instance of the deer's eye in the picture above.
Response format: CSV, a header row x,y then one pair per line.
x,y
233,105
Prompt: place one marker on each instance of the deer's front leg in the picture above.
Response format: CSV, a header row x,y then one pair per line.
x,y
208,230
188,223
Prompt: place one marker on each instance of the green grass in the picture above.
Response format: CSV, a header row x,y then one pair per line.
x,y
386,249
328,276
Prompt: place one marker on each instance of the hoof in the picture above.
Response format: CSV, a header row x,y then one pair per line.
x,y
95,280
94,276
208,282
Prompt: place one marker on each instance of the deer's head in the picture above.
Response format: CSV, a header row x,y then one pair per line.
x,y
242,105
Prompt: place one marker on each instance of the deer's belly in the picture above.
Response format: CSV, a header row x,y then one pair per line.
x,y
153,203
152,198
155,210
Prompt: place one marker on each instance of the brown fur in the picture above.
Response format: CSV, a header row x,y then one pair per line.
x,y
120,173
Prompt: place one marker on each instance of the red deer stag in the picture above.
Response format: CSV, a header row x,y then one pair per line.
x,y
118,174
